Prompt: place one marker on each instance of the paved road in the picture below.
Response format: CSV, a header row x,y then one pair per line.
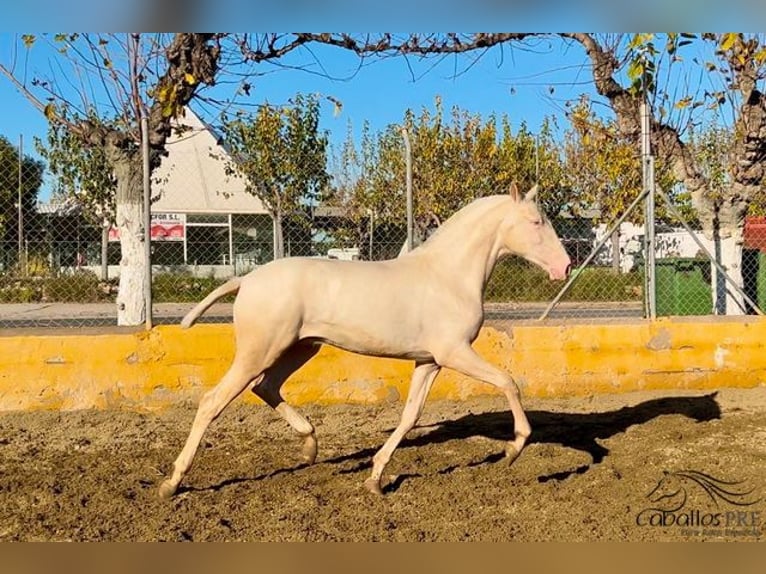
x,y
71,315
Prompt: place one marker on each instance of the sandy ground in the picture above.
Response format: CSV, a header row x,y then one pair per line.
x,y
588,474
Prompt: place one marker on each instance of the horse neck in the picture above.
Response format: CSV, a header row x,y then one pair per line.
x,y
467,245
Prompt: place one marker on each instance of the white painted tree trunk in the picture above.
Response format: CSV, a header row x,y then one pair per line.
x,y
131,304
728,251
131,309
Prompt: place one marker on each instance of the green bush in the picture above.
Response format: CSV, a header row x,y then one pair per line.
x,y
184,288
79,287
518,281
15,290
604,284
511,281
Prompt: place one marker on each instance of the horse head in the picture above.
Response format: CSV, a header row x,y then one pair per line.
x,y
526,232
670,491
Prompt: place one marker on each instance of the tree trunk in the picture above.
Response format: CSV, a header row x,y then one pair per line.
x,y
104,250
728,252
722,219
131,309
616,250
278,236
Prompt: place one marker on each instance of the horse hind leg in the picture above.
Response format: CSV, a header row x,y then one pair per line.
x,y
210,407
269,387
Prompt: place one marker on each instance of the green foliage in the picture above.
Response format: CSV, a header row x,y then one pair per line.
x,y
31,180
83,173
514,280
282,154
456,158
713,146
642,66
79,287
184,288
603,167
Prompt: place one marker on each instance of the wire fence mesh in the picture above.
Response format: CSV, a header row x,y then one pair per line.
x,y
59,266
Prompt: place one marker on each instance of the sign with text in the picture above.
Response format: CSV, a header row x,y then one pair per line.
x,y
165,227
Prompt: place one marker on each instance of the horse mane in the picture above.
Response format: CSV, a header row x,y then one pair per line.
x,y
462,219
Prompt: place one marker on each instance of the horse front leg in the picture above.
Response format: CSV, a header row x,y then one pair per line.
x,y
422,379
465,360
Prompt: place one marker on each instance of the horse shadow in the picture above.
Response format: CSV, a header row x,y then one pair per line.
x,y
579,431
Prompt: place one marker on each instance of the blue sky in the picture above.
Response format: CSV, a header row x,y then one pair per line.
x,y
513,81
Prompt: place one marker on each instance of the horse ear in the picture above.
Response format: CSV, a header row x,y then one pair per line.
x,y
514,191
531,194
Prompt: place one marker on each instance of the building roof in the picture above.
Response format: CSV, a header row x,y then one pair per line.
x,y
191,180
67,207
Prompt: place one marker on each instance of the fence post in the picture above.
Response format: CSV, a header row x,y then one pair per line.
x,y
410,217
372,230
647,173
147,221
22,259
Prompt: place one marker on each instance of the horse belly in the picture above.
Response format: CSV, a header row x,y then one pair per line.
x,y
376,333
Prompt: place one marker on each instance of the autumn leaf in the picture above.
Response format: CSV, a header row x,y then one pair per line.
x,y
168,109
728,40
635,69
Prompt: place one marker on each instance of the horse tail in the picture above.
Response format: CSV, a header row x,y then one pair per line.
x,y
231,286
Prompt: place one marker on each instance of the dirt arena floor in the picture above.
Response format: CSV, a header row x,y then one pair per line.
x,y
642,466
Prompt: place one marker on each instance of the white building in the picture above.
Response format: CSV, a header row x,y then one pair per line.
x,y
203,220
674,242
202,217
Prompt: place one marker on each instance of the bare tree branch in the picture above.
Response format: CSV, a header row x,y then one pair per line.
x,y
627,107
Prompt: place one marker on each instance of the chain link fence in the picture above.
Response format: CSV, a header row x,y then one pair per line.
x,y
60,267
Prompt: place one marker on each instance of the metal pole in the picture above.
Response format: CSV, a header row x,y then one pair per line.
x,y
186,247
147,221
410,217
231,247
647,163
22,263
537,166
372,231
105,250
596,249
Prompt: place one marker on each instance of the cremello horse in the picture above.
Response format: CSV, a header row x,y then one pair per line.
x,y
425,305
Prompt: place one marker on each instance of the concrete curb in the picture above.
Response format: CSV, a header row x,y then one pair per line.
x,y
154,370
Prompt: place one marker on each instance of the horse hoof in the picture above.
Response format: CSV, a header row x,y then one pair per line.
x,y
310,449
511,452
373,486
167,490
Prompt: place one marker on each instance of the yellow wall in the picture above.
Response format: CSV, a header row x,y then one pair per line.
x,y
153,370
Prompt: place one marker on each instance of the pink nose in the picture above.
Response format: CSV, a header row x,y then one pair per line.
x,y
559,273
